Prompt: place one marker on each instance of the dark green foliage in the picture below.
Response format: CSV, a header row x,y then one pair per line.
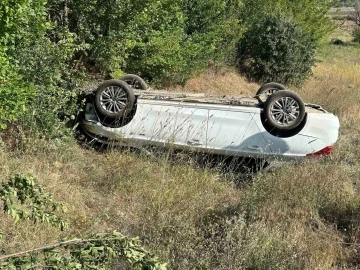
x,y
50,68
163,41
189,35
356,34
276,49
97,251
14,97
24,199
155,49
20,21
47,47
211,31
309,14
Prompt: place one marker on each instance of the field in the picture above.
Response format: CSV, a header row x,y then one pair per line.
x,y
303,216
340,11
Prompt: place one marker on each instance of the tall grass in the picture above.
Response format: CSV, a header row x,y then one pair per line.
x,y
304,216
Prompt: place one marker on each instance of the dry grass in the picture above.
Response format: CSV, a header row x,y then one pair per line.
x,y
304,216
344,31
340,11
215,82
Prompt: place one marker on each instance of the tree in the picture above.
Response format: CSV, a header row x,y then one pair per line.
x,y
309,14
164,40
355,14
20,23
276,49
293,40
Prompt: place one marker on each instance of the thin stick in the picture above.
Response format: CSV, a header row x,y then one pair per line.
x,y
77,240
40,248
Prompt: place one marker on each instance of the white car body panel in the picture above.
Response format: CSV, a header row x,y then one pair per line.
x,y
232,130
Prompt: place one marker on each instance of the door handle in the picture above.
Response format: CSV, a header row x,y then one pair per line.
x,y
194,142
254,147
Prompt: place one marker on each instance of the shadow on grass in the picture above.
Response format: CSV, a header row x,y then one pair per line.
x,y
339,42
346,219
239,170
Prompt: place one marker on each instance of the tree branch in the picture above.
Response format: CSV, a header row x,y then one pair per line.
x,y
355,15
42,248
64,243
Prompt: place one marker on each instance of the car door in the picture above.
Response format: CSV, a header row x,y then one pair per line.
x,y
165,122
190,126
233,132
183,125
143,128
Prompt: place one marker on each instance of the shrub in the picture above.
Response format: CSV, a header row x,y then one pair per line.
x,y
163,41
338,42
49,66
356,34
309,14
185,36
23,199
19,22
14,97
276,49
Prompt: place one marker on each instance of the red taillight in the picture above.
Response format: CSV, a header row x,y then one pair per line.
x,y
323,152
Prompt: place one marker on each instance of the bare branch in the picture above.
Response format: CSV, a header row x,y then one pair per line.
x,y
355,14
42,248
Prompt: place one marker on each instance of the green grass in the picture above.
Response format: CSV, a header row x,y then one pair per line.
x,y
347,55
302,216
344,36
340,11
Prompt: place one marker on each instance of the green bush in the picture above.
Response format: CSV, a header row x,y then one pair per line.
x,y
163,41
49,66
23,199
356,34
46,46
186,36
14,97
20,22
309,14
276,49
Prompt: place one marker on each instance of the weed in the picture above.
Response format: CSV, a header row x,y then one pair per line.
x,y
302,216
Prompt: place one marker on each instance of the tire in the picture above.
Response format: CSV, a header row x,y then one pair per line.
x,y
134,81
114,99
270,88
284,110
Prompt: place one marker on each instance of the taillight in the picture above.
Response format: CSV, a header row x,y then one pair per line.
x,y
323,152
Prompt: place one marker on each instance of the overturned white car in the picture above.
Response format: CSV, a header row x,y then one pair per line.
x,y
275,124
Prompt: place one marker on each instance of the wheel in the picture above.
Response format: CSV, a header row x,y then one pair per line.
x,y
134,81
284,110
270,88
114,99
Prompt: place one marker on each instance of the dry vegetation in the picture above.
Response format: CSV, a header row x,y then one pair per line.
x,y
304,216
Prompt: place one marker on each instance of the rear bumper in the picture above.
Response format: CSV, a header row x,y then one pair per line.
x,y
324,126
